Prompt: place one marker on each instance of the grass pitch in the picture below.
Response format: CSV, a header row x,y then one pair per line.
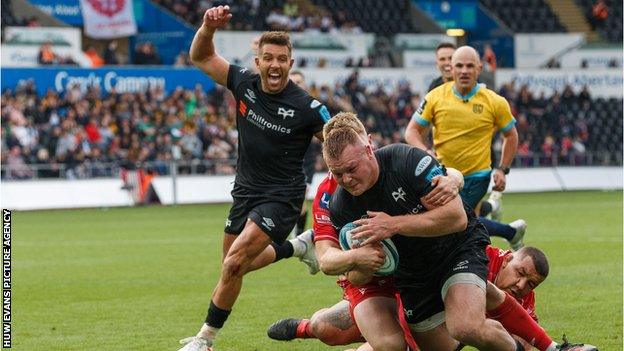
x,y
141,278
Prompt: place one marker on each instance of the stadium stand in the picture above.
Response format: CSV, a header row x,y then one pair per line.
x,y
605,17
525,16
84,134
8,18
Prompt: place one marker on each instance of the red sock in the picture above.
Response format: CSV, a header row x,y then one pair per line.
x,y
517,321
303,330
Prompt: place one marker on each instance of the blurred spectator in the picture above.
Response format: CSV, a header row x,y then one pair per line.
x,y
33,21
145,54
182,60
94,57
489,58
600,14
111,57
46,55
553,63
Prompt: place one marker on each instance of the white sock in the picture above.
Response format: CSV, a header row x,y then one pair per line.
x,y
299,247
552,347
207,332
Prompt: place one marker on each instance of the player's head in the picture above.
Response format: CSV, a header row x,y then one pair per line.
x,y
349,154
444,53
466,67
298,78
522,271
274,61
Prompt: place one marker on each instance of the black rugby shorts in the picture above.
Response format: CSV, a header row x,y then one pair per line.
x,y
274,215
466,264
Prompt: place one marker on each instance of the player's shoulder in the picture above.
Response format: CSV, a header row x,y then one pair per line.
x,y
440,90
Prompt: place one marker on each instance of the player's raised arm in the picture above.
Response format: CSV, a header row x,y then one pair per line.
x,y
202,53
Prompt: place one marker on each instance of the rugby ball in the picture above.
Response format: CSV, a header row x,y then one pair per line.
x,y
392,255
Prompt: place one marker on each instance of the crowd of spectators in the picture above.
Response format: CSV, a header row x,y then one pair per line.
x,y
84,133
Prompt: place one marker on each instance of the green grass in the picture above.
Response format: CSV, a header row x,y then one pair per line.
x,y
141,278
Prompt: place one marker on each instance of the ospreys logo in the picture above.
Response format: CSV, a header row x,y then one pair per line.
x,y
399,194
477,108
285,113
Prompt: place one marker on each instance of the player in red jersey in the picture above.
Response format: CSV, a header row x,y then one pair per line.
x,y
512,278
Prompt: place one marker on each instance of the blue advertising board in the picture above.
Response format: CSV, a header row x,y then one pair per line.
x,y
451,14
67,11
106,78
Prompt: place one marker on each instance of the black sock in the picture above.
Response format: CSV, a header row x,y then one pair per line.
x,y
216,317
486,208
301,222
519,346
284,250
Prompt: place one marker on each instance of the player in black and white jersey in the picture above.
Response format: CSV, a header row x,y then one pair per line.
x,y
442,262
276,121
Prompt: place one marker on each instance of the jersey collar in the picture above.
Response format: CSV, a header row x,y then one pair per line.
x,y
470,94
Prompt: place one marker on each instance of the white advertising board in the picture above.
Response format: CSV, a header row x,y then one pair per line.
x,y
593,58
601,82
49,194
536,49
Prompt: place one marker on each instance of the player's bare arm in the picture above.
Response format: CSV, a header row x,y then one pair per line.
x,y
445,188
416,135
510,145
439,221
202,53
334,261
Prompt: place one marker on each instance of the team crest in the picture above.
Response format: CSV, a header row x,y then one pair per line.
x,y
477,108
107,7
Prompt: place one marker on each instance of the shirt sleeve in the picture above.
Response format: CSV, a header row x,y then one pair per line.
x,y
528,302
321,220
319,115
424,112
421,168
504,119
237,75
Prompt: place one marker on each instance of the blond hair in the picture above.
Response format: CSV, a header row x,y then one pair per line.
x,y
275,37
343,129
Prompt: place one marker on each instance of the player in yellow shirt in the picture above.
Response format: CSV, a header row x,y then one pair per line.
x,y
464,115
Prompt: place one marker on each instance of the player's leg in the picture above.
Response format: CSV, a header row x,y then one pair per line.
x,y
335,326
301,246
464,303
382,332
515,319
332,326
434,337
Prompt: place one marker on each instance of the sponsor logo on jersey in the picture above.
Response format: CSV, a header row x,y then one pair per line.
x,y
399,194
285,113
251,96
461,265
263,124
422,165
324,201
362,291
417,209
315,103
477,108
243,69
434,171
268,223
324,113
228,222
421,107
242,108
408,313
322,218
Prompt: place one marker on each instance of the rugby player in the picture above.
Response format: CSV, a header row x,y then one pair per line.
x,y
442,263
276,121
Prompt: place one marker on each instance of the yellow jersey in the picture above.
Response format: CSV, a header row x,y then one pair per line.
x,y
463,125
